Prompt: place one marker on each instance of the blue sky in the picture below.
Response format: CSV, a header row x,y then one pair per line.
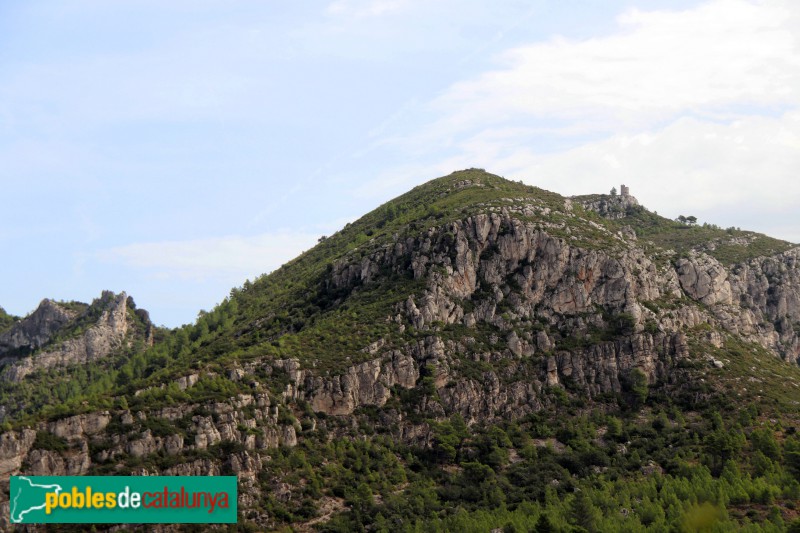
x,y
175,149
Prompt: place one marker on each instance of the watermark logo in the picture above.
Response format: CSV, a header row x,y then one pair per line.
x,y
122,499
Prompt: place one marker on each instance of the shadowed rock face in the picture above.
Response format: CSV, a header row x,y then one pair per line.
x,y
758,300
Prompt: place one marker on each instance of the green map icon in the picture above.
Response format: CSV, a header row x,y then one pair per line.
x,y
123,499
27,499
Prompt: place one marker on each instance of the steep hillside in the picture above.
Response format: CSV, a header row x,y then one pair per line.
x,y
67,346
474,354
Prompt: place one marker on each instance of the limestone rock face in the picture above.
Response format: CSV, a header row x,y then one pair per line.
x,y
496,249
36,330
14,447
148,444
704,279
80,426
766,291
614,207
512,271
772,284
200,467
102,337
245,420
50,463
365,384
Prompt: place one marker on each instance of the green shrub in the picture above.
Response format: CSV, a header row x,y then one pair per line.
x,y
48,441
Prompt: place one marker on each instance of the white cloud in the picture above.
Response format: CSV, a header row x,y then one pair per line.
x,y
690,164
718,57
697,110
232,257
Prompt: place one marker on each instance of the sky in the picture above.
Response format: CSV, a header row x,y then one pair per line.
x,y
175,149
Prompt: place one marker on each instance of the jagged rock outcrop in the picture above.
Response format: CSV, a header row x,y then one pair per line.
x,y
517,391
553,279
602,367
614,207
148,444
758,300
704,279
496,250
101,337
14,447
766,292
231,421
365,384
494,261
36,330
50,463
79,426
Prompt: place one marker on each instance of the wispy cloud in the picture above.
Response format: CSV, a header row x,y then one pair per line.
x,y
718,57
233,257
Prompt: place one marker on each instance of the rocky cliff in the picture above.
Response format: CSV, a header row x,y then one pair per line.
x,y
58,335
37,329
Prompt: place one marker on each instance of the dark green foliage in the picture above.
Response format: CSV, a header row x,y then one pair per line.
x,y
160,427
584,513
449,439
458,486
48,441
623,324
763,440
6,320
637,387
792,453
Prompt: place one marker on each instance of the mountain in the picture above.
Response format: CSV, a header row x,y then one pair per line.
x,y
474,354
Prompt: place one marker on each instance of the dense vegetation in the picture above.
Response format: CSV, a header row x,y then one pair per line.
x,y
662,457
6,320
667,467
657,457
651,459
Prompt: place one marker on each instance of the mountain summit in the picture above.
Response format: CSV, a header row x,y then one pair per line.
x,y
475,351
